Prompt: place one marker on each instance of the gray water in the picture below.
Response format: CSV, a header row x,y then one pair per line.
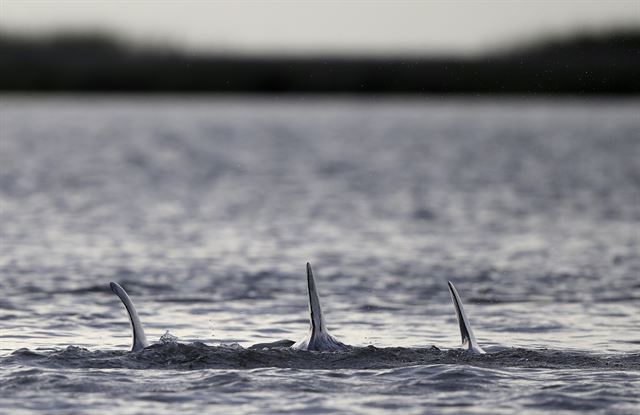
x,y
206,211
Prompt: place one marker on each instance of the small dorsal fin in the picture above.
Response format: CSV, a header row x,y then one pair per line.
x,y
139,338
468,339
318,338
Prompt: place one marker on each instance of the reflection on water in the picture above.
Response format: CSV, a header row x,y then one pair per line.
x,y
207,210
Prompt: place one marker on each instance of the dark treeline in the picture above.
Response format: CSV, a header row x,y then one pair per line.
x,y
604,64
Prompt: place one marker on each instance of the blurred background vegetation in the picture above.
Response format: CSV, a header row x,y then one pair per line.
x,y
603,63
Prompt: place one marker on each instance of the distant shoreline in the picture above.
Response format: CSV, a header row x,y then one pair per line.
x,y
313,97
97,64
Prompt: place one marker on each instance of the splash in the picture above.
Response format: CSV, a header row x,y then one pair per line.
x,y
168,338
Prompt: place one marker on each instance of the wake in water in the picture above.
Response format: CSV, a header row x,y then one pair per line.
x,y
197,355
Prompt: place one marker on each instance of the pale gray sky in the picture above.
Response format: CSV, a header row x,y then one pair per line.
x,y
327,26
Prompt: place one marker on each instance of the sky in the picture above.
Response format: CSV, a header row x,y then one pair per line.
x,y
314,27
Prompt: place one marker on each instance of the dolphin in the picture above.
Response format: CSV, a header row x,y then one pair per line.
x,y
139,338
318,338
468,339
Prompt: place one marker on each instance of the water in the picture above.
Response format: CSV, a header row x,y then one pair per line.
x,y
206,211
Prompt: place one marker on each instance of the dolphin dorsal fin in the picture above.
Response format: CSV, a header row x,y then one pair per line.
x,y
318,338
315,310
139,338
468,339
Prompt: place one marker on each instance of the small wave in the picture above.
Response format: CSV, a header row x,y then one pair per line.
x,y
175,355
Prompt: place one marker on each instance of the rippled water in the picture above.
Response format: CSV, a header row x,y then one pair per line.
x,y
206,211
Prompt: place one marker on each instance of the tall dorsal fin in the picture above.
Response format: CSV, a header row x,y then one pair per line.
x,y
316,320
468,339
318,338
139,339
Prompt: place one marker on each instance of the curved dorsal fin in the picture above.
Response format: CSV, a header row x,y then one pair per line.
x,y
139,338
468,339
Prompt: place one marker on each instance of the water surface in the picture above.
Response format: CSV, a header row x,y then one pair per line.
x,y
206,211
